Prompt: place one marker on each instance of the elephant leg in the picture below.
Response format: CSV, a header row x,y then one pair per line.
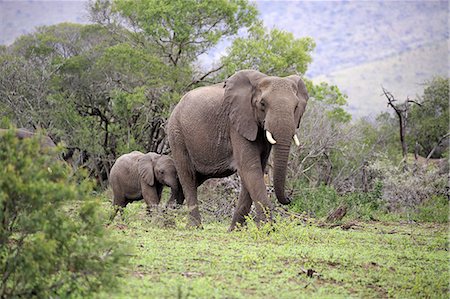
x,y
119,203
179,196
176,198
252,177
242,209
192,202
114,213
159,189
151,196
188,182
254,182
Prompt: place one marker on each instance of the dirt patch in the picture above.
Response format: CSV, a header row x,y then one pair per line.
x,y
377,288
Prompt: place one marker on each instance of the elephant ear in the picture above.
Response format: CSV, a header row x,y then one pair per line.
x,y
239,92
145,167
302,94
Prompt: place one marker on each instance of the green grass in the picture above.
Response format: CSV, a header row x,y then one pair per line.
x,y
370,260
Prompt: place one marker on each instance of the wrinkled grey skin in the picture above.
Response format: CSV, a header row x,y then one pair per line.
x,y
137,176
46,142
217,130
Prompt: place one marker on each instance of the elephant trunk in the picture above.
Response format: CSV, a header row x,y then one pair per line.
x,y
280,159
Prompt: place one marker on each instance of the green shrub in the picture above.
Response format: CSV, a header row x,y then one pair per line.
x,y
433,210
52,238
319,202
316,202
405,191
363,205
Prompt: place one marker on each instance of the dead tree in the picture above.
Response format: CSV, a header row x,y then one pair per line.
x,y
401,110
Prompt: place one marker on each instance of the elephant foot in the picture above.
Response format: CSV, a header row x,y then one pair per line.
x,y
153,210
172,206
195,220
264,215
117,209
236,226
194,225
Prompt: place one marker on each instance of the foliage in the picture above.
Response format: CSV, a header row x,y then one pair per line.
x,y
428,123
273,52
119,78
434,209
320,201
382,134
184,29
316,202
107,88
405,190
334,99
373,260
332,152
53,243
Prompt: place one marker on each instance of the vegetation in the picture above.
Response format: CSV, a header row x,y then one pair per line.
x,y
53,243
286,260
107,88
428,123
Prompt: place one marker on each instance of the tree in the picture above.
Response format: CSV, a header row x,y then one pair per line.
x,y
108,88
178,31
332,97
402,111
52,237
428,124
273,52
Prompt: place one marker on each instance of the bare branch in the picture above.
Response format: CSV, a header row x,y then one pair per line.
x,y
204,76
435,147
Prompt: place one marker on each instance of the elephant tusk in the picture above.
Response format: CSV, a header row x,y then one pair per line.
x,y
297,142
270,137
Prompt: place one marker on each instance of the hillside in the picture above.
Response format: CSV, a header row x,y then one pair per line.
x,y
403,75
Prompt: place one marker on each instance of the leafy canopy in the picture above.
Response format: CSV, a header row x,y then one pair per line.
x,y
429,122
184,29
273,52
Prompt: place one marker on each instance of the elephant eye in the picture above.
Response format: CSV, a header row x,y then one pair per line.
x,y
262,103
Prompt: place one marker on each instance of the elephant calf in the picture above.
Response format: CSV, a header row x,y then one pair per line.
x,y
137,176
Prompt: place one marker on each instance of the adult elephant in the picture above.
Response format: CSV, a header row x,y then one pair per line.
x,y
217,130
135,176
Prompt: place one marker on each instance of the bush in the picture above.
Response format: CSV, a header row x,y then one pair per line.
x,y
433,210
316,202
405,191
320,201
52,238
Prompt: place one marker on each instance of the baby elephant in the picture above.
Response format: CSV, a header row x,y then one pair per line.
x,y
137,176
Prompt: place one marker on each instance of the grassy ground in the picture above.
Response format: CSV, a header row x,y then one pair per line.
x,y
288,260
